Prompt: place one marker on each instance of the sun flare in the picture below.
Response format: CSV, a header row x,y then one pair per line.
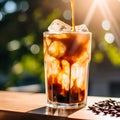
x,y
106,12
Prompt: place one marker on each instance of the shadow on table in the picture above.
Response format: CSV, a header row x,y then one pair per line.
x,y
53,111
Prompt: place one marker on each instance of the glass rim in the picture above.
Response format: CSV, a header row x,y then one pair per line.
x,y
81,32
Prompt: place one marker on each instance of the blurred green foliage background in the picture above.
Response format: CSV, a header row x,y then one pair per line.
x,y
22,23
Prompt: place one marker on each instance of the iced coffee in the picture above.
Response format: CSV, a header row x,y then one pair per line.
x,y
67,56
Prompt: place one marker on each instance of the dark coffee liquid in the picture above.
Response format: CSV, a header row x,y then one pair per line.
x,y
57,94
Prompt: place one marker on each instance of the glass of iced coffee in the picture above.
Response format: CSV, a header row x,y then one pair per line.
x,y
66,56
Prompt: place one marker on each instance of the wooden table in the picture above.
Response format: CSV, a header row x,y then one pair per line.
x,y
32,106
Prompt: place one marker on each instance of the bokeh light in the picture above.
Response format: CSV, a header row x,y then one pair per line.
x,y
109,37
67,15
13,45
10,7
23,6
106,25
17,68
28,40
35,49
98,57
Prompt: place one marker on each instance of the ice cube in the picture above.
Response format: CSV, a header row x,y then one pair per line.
x,y
53,67
59,26
77,75
57,49
81,28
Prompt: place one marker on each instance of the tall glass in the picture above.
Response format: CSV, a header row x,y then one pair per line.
x,y
66,57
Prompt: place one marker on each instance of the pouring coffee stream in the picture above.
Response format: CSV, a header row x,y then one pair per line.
x,y
73,30
73,15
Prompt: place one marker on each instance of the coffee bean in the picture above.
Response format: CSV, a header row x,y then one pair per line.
x,y
105,112
118,109
94,109
118,114
90,107
97,111
109,106
111,110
